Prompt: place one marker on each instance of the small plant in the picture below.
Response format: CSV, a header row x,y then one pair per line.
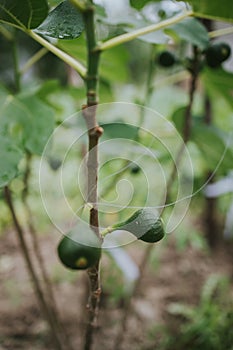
x,y
208,325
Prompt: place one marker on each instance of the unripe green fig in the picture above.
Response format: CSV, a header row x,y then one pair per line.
x,y
134,169
166,59
79,251
54,163
216,54
144,224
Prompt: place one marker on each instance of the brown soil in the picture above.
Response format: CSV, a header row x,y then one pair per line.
x,y
178,277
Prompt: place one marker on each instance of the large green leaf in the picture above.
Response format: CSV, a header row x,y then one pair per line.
x,y
214,9
191,30
114,66
64,22
120,130
114,61
219,81
213,144
27,121
23,13
10,156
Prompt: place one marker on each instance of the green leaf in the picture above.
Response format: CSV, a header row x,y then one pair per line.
x,y
178,117
105,91
10,156
114,65
100,11
28,122
213,9
120,130
191,30
64,22
138,4
212,143
76,48
114,61
219,81
23,13
42,124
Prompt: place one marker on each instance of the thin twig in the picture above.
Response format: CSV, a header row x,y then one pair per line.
x,y
39,293
148,94
34,59
210,217
59,53
123,38
32,231
187,119
47,285
21,235
186,135
128,305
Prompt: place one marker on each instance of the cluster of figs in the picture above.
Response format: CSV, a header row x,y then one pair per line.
x,y
213,56
79,251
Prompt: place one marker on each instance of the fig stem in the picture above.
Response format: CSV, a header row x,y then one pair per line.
x,y
108,230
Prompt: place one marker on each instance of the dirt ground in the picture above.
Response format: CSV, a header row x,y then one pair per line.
x,y
179,277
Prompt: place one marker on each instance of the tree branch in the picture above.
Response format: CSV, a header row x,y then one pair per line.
x,y
32,273
34,59
47,285
120,39
186,135
94,133
59,53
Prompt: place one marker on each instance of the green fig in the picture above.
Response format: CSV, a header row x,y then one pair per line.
x,y
144,224
54,163
216,54
134,169
79,251
166,59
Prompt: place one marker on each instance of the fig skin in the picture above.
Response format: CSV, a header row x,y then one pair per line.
x,y
77,256
145,225
166,59
216,54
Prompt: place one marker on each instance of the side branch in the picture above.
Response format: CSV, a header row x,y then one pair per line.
x,y
142,31
31,270
59,53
